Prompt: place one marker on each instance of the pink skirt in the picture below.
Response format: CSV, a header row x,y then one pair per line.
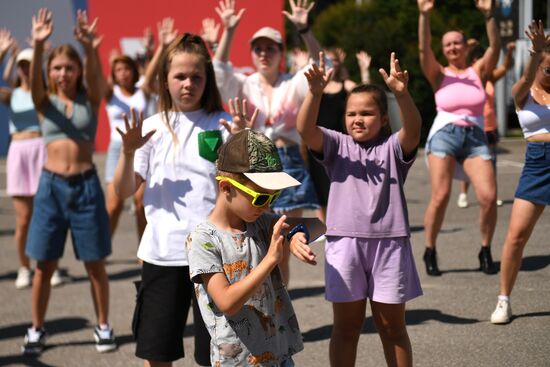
x,y
24,166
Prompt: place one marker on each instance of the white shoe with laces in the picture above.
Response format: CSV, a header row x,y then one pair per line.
x,y
503,312
24,278
462,201
104,339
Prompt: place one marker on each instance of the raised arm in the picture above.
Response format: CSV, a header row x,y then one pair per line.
x,y
488,62
299,17
306,123
125,180
86,34
166,34
520,90
42,28
230,20
431,68
7,44
209,33
397,81
230,298
501,70
363,60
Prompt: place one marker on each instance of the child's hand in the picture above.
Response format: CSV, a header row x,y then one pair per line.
x,y
397,80
484,6
317,77
85,32
536,35
300,10
238,111
276,251
166,31
42,26
300,249
210,30
132,140
425,6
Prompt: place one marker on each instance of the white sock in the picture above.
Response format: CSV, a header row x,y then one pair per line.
x,y
104,326
504,298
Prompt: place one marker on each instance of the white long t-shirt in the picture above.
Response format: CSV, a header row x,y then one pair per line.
x,y
180,188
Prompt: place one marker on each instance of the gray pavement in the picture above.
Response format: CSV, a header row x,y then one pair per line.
x,y
448,326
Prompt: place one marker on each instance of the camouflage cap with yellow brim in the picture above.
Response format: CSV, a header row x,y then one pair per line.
x,y
252,153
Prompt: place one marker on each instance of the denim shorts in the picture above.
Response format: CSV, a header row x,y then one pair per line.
x,y
113,153
297,197
460,142
534,183
62,203
381,269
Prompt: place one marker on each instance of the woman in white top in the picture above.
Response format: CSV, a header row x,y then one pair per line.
x,y
276,95
126,93
531,96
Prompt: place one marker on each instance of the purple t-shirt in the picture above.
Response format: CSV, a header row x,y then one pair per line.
x,y
366,196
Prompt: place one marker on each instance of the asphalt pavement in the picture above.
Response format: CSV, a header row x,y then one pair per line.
x,y
448,326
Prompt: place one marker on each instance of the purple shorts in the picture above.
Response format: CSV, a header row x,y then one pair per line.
x,y
24,166
381,269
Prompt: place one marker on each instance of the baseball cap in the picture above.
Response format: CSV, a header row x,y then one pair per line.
x,y
269,33
252,153
24,55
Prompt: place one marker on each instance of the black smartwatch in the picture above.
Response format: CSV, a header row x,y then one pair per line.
x,y
298,228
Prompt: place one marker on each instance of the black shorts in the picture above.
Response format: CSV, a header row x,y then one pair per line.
x,y
162,304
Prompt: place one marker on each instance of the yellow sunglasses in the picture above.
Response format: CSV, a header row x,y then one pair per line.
x,y
259,199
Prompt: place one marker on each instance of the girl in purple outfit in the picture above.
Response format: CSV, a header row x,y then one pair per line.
x,y
368,252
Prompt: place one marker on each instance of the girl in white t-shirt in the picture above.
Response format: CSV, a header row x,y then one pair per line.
x,y
174,158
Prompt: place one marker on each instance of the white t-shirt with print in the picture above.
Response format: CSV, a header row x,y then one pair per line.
x,y
180,186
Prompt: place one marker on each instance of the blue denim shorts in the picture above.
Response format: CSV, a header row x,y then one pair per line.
x,y
62,203
534,183
460,142
113,153
297,197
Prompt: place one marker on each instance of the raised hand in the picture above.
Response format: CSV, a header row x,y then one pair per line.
x,y
238,110
425,6
317,77
363,60
484,6
276,250
511,46
210,30
166,31
85,32
6,41
42,26
228,16
132,139
148,41
300,248
397,80
536,34
299,12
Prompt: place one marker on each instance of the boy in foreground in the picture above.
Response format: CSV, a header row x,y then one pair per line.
x,y
233,258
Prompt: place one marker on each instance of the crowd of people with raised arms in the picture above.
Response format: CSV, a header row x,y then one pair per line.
x,y
219,196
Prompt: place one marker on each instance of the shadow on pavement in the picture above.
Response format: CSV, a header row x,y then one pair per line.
x,y
305,292
413,317
62,325
122,275
532,263
21,360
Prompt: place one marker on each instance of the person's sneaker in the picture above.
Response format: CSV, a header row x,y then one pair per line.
x,y
500,202
57,279
503,312
104,339
24,278
35,342
462,201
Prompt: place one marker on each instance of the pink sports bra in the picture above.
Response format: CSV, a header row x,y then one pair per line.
x,y
461,94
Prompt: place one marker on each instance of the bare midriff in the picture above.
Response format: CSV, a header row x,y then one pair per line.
x,y
25,135
539,138
68,157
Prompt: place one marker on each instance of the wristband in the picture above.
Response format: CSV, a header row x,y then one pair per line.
x,y
304,30
298,228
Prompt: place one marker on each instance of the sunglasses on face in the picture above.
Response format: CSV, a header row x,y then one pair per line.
x,y
270,50
258,199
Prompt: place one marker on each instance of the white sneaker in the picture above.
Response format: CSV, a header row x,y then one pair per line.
x,y
500,202
502,313
104,340
24,278
57,279
462,201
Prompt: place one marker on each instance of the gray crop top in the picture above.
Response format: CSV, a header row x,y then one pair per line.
x,y
81,125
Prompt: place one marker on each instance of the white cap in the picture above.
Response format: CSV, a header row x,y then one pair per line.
x,y
24,55
269,33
